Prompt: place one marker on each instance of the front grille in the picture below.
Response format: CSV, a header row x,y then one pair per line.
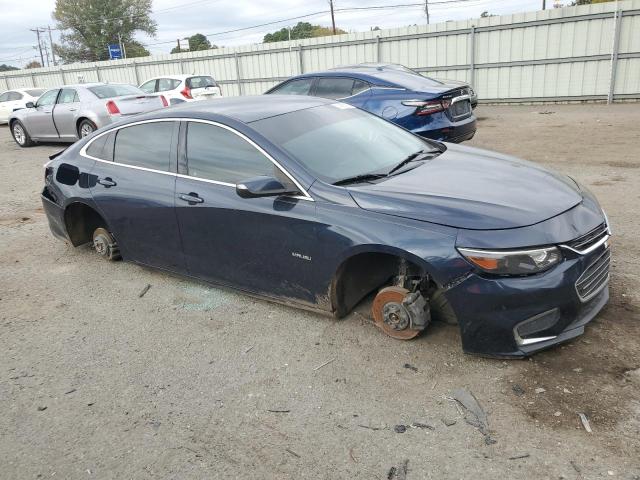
x,y
583,242
594,277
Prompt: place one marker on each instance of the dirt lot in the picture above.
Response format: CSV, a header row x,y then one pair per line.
x,y
195,382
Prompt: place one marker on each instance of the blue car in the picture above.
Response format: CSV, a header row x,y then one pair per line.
x,y
315,203
428,107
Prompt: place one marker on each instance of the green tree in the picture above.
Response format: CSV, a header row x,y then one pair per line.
x,y
33,64
197,42
88,26
6,68
300,30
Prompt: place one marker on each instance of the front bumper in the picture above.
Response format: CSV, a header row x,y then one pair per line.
x,y
545,308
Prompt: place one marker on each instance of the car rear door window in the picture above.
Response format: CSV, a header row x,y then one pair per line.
x,y
15,96
215,153
334,88
4,97
147,145
148,87
165,84
301,86
68,95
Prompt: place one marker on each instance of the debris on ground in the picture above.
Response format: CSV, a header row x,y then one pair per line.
x,y
575,466
400,428
42,408
422,425
369,427
70,391
249,349
540,390
546,112
518,457
474,414
408,366
399,473
518,390
585,422
144,290
324,364
448,422
278,410
292,452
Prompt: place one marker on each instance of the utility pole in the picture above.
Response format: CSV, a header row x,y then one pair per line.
x,y
544,4
37,30
46,54
426,9
121,47
53,55
333,20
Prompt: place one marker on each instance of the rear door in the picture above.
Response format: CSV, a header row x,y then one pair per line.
x,y
4,107
260,244
65,113
133,185
40,119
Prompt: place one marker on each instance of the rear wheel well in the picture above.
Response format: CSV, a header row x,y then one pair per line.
x,y
79,121
81,221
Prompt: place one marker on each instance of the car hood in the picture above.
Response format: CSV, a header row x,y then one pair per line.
x,y
474,189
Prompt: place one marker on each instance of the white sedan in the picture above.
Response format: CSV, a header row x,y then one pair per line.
x,y
183,88
16,99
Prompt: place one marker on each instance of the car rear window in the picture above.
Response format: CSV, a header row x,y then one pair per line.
x,y
147,145
36,92
201,82
110,91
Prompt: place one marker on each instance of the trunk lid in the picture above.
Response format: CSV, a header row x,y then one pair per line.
x,y
134,104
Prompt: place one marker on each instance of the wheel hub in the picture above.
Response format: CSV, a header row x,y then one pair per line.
x,y
101,244
391,316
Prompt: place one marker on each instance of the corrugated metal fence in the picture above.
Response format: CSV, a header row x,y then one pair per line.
x,y
578,53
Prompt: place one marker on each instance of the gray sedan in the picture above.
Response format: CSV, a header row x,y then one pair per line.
x,y
74,111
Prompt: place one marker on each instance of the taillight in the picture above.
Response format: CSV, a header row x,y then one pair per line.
x,y
186,93
427,107
164,101
112,108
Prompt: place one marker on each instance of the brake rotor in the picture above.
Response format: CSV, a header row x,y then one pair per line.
x,y
391,316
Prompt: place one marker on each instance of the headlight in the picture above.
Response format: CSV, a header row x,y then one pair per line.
x,y
521,262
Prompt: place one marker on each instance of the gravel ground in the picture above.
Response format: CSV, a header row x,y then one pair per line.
x,y
191,381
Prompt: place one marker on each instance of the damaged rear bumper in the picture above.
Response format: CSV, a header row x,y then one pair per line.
x,y
55,214
515,317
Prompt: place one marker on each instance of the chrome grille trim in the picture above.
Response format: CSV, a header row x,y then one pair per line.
x,y
595,277
589,241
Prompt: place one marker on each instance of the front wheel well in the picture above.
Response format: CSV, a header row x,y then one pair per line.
x,y
81,221
363,273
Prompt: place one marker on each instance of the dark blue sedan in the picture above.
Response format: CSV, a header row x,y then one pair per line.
x,y
315,203
430,108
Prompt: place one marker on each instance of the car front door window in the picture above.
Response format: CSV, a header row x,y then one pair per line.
x,y
295,87
215,153
48,98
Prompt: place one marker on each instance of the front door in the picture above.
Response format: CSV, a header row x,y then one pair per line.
x,y
40,119
264,245
65,114
135,192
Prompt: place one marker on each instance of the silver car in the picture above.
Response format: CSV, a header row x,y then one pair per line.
x,y
74,111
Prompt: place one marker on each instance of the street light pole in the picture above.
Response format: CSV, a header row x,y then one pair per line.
x,y
426,9
333,20
53,55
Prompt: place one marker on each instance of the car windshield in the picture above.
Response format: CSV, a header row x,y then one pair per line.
x,y
338,141
110,91
36,92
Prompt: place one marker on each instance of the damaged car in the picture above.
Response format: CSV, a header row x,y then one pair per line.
x,y
316,203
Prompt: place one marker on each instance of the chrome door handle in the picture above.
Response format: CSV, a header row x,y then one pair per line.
x,y
72,109
107,182
191,198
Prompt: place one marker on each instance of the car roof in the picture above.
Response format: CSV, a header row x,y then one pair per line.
x,y
179,77
244,109
385,75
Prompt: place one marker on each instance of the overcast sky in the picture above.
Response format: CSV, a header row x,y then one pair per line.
x,y
180,18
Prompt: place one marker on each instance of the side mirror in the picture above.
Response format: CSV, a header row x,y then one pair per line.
x,y
262,187
30,105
